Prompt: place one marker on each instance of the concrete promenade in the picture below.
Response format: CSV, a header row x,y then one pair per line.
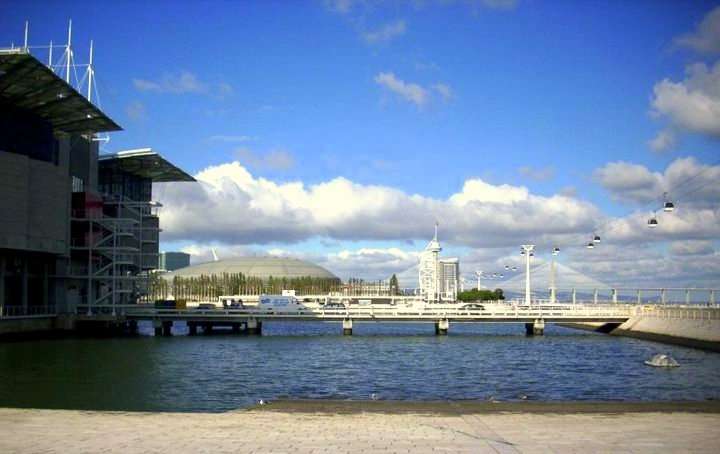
x,y
372,427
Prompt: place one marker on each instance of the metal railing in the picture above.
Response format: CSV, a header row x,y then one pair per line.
x,y
29,311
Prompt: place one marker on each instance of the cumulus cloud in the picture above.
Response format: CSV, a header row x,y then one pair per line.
x,y
685,180
229,204
664,140
537,174
694,103
706,37
411,92
181,83
272,160
637,265
630,182
692,247
385,33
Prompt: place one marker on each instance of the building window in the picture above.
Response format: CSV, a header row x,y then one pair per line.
x,y
78,185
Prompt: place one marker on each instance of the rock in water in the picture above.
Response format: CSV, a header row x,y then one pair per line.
x,y
661,360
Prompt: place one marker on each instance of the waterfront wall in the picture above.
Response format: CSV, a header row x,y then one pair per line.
x,y
693,327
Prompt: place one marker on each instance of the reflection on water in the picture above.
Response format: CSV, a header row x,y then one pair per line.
x,y
313,361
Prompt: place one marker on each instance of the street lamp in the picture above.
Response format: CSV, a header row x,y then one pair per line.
x,y
555,252
527,250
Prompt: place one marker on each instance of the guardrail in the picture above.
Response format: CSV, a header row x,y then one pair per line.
x,y
29,311
505,312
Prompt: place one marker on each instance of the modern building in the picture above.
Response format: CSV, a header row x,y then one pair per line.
x,y
449,278
171,261
245,275
76,229
438,278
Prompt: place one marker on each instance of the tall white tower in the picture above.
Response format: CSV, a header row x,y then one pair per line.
x,y
429,269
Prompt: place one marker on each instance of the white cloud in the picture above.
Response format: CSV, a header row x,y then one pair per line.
x,y
229,204
444,90
537,174
694,103
409,91
413,92
630,182
136,111
692,247
706,37
685,180
181,83
385,33
664,140
272,160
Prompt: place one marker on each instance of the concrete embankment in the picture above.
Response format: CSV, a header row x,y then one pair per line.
x,y
340,428
689,326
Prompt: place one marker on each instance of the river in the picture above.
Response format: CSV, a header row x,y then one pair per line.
x,y
314,361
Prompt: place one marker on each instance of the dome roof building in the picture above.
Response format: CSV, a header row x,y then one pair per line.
x,y
258,267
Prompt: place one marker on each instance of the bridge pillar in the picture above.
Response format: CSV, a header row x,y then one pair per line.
x,y
192,328
157,324
442,326
347,327
167,328
614,296
254,326
537,328
236,328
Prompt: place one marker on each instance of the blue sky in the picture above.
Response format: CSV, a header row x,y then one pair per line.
x,y
418,97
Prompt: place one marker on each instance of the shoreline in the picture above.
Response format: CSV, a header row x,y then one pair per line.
x,y
402,407
484,407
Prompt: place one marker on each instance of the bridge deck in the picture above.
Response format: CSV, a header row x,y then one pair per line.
x,y
616,313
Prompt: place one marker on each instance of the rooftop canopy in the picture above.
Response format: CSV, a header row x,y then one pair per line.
x,y
28,84
143,163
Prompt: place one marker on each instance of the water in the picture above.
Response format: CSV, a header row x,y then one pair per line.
x,y
313,361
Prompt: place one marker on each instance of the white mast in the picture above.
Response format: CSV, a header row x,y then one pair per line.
x,y
90,73
50,56
27,25
68,52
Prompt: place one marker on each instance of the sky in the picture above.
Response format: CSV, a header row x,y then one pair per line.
x,y
341,131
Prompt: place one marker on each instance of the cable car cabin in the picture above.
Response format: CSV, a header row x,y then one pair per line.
x,y
669,206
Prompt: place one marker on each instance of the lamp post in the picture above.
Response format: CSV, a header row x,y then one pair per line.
x,y
527,251
553,290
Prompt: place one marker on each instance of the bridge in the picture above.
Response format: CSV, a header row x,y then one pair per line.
x,y
249,319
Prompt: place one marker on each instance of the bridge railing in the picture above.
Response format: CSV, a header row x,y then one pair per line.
x,y
29,311
370,312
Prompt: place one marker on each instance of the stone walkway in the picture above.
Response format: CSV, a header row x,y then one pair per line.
x,y
269,430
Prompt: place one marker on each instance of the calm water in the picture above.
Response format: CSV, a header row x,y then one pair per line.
x,y
304,360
